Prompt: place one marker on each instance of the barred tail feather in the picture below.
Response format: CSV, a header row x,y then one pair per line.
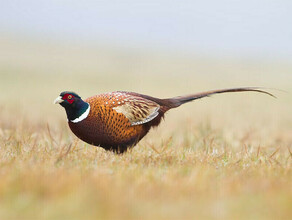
x,y
179,100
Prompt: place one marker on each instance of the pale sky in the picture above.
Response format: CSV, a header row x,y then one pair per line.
x,y
227,27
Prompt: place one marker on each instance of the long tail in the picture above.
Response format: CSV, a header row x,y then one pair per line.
x,y
179,100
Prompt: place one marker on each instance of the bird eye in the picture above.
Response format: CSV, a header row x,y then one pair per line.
x,y
69,96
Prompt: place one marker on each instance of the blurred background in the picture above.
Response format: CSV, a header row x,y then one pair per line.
x,y
228,156
159,48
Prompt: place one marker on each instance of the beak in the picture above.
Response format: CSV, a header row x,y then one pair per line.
x,y
58,100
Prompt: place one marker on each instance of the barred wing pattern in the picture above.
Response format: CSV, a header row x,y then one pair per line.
x,y
138,110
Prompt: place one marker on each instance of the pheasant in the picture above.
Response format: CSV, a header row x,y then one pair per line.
x,y
117,121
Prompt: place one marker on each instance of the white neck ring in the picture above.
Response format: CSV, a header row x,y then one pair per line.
x,y
83,116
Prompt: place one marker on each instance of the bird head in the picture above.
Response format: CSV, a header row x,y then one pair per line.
x,y
67,99
73,104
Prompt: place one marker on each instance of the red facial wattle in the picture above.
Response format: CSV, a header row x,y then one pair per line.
x,y
69,98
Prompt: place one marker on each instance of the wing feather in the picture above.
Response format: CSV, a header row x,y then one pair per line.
x,y
138,110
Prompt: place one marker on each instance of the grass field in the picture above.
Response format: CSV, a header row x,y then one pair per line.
x,y
225,157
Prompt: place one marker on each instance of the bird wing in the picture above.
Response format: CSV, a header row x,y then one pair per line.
x,y
138,110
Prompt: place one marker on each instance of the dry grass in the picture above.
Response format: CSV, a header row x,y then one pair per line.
x,y
227,157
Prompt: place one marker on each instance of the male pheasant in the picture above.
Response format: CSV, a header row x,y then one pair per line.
x,y
119,120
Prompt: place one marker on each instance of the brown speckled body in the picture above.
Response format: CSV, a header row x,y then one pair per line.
x,y
109,129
